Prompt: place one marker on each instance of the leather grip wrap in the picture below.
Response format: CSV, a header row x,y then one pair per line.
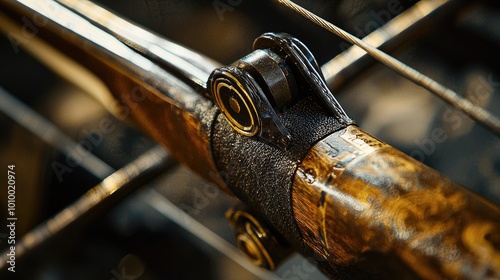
x,y
261,175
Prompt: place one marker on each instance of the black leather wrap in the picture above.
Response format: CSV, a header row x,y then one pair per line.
x,y
261,175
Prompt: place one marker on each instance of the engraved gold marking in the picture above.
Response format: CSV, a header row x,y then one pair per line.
x,y
362,141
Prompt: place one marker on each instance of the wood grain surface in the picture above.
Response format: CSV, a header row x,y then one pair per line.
x,y
354,194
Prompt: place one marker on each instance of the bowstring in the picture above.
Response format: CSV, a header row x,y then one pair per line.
x,y
475,112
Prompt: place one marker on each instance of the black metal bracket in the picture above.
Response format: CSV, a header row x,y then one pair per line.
x,y
253,91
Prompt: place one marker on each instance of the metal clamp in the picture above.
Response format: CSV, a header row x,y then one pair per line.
x,y
253,91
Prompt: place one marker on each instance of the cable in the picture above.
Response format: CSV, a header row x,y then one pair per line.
x,y
473,111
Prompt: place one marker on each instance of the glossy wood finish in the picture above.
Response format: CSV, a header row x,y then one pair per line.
x,y
163,106
353,194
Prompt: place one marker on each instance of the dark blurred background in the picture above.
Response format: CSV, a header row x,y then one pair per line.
x,y
459,50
